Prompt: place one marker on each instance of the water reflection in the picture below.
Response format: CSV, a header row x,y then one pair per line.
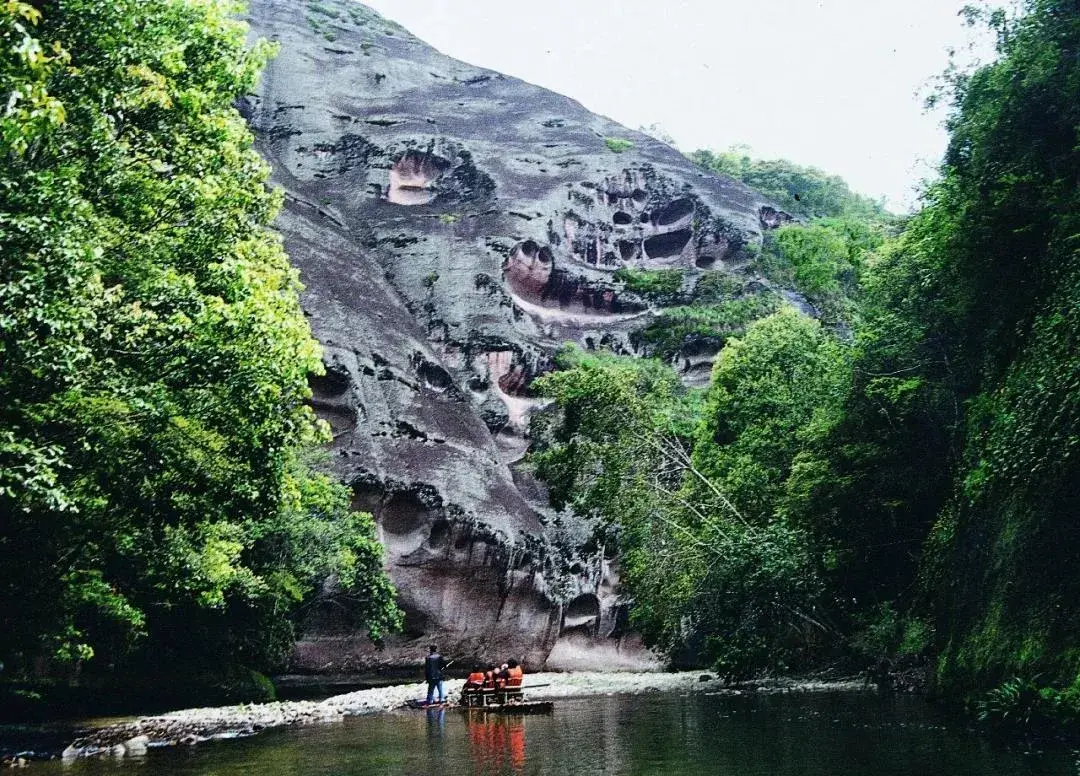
x,y
751,735
436,730
496,743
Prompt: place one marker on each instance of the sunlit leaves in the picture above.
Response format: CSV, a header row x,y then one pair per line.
x,y
154,355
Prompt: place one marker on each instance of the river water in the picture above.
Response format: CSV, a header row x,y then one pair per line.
x,y
776,735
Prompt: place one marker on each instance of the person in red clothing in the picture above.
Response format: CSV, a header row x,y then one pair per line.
x,y
513,673
474,687
475,679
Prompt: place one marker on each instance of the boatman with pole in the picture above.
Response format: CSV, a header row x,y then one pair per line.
x,y
433,673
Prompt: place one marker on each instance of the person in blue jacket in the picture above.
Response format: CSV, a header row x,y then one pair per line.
x,y
433,673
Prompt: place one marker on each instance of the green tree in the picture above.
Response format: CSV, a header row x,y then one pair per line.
x,y
153,354
958,438
800,190
693,489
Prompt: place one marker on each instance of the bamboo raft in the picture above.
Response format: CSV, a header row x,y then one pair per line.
x,y
523,707
512,707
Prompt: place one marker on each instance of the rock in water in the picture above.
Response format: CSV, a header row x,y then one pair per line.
x,y
454,227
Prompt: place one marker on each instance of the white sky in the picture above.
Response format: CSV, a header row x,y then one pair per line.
x,y
831,83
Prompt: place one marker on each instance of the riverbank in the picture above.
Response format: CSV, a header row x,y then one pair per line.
x,y
192,726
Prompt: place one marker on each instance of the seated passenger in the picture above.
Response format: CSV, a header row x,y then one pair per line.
x,y
489,678
513,674
475,680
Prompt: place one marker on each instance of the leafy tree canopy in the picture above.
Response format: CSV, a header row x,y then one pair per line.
x,y
801,191
154,489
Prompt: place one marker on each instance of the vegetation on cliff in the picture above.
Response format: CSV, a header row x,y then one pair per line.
x,y
904,484
802,191
158,504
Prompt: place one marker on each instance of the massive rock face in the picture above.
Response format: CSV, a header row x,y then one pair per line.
x,y
454,227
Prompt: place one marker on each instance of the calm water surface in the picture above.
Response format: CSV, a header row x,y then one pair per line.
x,y
778,735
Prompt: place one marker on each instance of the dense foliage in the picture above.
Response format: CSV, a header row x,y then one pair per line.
x,y
825,255
660,285
1007,217
693,484
157,505
801,191
903,484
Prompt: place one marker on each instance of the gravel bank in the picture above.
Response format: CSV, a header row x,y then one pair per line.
x,y
191,726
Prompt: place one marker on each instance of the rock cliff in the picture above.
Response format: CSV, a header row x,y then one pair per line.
x,y
454,227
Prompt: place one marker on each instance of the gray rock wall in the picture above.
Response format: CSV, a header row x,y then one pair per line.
x,y
453,227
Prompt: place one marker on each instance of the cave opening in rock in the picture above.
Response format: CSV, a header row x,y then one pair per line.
x,y
413,177
403,515
644,218
674,212
582,610
627,249
341,418
638,196
621,625
334,383
622,218
440,534
515,381
434,376
528,269
668,245
771,218
705,261
416,624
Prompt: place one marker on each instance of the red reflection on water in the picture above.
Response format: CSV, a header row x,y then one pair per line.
x,y
496,743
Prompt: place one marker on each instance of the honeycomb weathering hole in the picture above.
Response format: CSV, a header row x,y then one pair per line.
x,y
674,212
528,269
514,382
413,177
622,218
531,274
583,609
335,382
402,515
705,262
435,377
664,246
771,218
440,534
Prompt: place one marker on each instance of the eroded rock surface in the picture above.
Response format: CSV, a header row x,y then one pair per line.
x,y
454,227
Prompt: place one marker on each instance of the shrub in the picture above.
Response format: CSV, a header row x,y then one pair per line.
x,y
617,144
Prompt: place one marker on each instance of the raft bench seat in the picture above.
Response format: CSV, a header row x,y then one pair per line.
x,y
510,693
474,696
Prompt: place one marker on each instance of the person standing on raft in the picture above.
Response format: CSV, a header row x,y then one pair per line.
x,y
433,673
